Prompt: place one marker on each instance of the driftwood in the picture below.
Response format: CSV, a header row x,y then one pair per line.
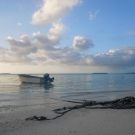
x,y
122,103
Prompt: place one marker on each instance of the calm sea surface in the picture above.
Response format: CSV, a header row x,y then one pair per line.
x,y
66,86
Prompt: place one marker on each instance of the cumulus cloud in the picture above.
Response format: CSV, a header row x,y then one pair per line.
x,y
65,56
26,49
8,56
35,51
116,58
93,15
81,43
23,42
52,37
21,47
26,45
52,10
123,57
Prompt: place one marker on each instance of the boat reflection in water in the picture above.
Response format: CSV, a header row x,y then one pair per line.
x,y
35,87
47,86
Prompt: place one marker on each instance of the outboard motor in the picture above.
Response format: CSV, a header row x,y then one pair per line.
x,y
46,76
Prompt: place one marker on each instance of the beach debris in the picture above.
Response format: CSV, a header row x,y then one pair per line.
x,y
122,103
37,118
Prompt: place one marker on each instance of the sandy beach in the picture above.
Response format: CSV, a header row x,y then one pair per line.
x,y
76,122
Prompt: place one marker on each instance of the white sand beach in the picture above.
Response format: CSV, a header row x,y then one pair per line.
x,y
76,122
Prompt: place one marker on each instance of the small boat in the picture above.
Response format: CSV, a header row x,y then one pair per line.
x,y
25,78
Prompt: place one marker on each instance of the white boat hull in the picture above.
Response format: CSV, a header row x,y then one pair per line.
x,y
32,79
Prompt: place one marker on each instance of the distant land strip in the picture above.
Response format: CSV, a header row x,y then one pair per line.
x,y
131,73
99,73
4,73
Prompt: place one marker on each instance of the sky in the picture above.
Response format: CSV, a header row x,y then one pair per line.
x,y
67,36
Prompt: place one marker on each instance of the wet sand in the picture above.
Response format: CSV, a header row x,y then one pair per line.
x,y
76,122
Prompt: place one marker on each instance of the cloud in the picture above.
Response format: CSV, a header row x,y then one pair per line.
x,y
9,56
23,42
93,15
52,10
19,24
40,49
51,39
26,49
115,58
81,43
64,56
130,33
22,47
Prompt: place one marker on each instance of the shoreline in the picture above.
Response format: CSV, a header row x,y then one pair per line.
x,y
77,122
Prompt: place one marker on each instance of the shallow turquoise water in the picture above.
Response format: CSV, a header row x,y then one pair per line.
x,y
66,86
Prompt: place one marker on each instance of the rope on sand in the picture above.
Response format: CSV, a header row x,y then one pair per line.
x,y
122,103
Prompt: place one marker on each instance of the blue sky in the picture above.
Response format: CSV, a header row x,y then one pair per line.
x,y
60,36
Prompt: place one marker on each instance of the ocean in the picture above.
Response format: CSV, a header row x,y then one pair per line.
x,y
76,87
